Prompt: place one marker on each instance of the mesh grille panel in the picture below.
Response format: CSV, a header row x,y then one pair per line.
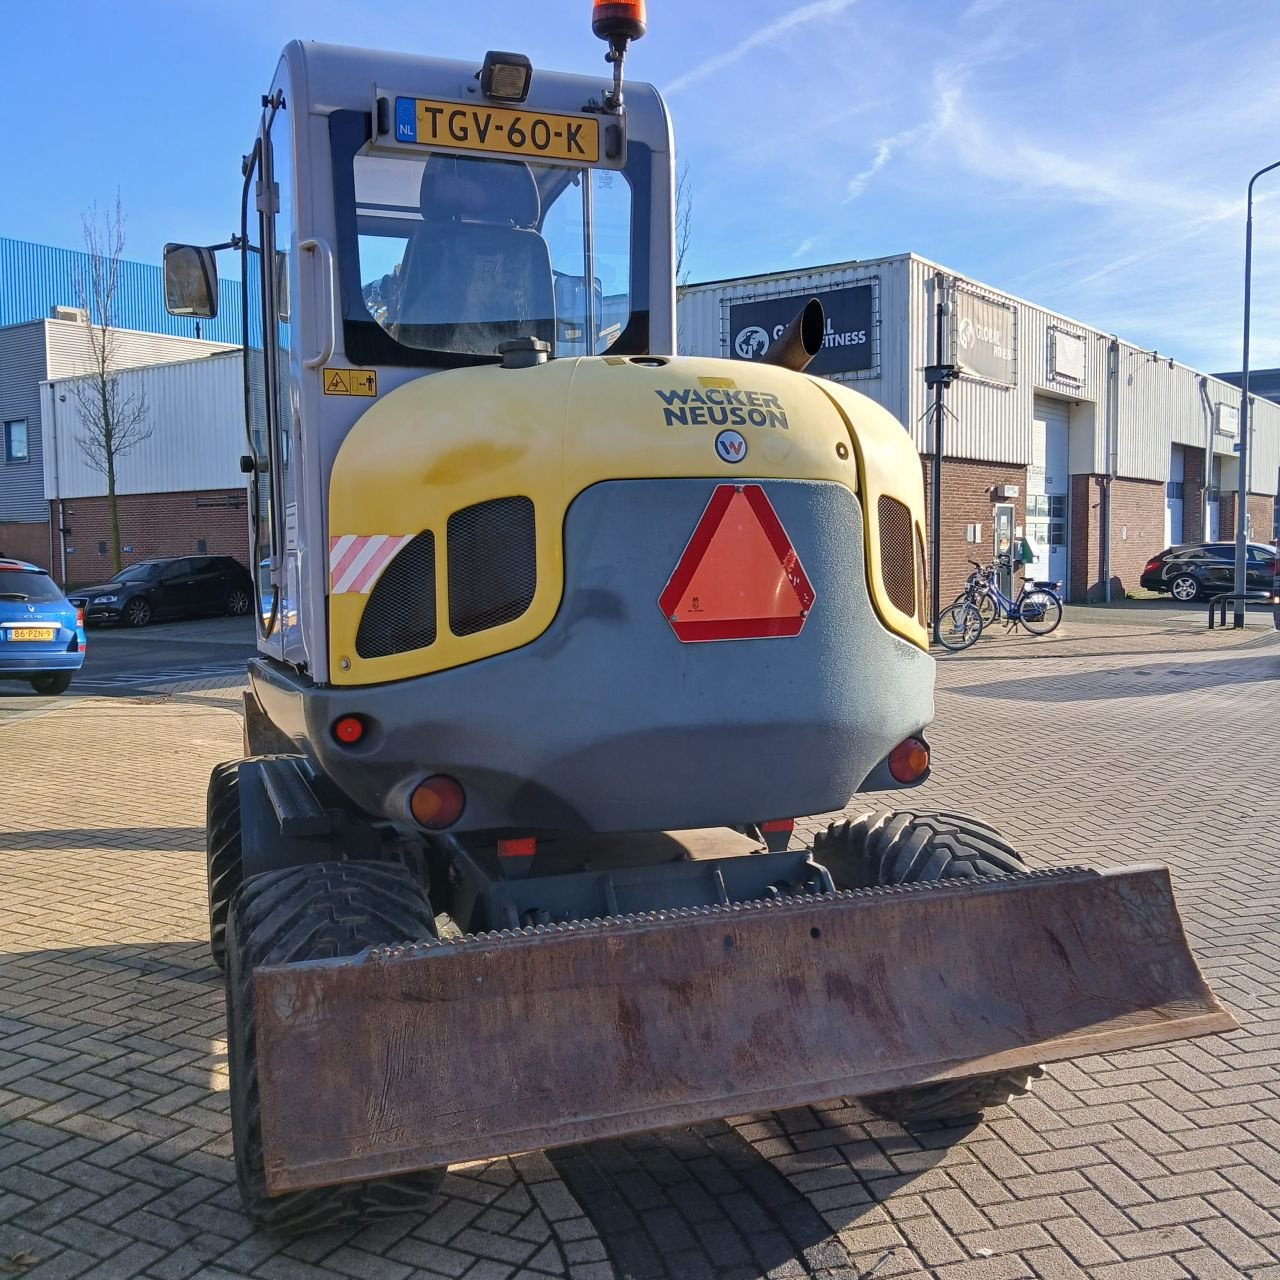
x,y
922,592
897,554
401,612
492,564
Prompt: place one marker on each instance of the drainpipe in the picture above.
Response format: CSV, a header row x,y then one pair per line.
x,y
1206,481
57,483
1113,452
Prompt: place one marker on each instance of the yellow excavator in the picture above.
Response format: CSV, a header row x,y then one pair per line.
x,y
559,635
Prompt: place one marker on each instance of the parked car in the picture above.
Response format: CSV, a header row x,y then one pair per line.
x,y
1198,569
177,587
42,636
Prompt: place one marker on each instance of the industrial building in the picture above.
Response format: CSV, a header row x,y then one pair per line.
x,y
1100,452
44,343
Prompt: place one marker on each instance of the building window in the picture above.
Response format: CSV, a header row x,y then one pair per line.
x,y
15,441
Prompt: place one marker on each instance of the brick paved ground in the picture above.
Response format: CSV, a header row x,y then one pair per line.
x,y
1111,742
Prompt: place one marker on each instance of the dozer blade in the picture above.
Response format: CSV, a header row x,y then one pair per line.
x,y
407,1057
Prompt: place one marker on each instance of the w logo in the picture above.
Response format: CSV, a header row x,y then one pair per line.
x,y
731,446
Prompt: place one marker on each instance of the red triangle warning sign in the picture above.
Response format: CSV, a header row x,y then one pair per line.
x,y
739,578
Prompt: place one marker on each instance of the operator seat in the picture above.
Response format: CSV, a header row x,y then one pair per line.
x,y
476,272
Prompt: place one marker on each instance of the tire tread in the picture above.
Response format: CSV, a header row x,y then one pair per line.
x,y
306,913
881,848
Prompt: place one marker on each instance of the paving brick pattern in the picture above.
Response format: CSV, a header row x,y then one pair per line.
x,y
1108,743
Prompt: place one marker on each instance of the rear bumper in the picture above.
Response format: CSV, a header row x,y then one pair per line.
x,y
607,722
21,666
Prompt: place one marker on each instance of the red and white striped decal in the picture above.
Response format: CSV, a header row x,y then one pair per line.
x,y
356,560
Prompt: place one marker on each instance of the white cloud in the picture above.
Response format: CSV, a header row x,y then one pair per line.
x,y
945,97
765,36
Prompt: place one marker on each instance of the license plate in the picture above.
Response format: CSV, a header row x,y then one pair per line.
x,y
31,633
532,134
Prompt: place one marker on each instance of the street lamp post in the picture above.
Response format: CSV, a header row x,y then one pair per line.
x,y
1242,490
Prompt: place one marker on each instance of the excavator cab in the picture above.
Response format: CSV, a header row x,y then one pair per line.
x,y
561,633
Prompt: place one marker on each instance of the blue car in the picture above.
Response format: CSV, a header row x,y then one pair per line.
x,y
42,636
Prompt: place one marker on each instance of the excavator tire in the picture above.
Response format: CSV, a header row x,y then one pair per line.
x,y
223,853
906,847
324,910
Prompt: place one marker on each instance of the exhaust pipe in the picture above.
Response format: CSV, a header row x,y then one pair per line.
x,y
800,341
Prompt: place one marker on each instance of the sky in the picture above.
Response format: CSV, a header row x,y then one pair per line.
x,y
1091,156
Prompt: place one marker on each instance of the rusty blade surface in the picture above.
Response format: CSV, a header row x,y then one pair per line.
x,y
405,1058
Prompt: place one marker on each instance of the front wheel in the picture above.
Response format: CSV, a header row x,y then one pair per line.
x,y
137,613
1185,588
985,604
321,911
1040,612
238,602
959,626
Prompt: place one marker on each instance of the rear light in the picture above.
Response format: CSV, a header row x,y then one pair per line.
x,y
525,847
1152,566
437,802
348,730
909,761
777,826
79,617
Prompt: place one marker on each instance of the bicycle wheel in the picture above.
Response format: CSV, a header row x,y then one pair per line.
x,y
959,626
984,602
1040,612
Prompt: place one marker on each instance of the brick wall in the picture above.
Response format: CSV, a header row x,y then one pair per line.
x,y
966,499
25,541
1261,511
1137,533
1192,494
154,524
1084,561
1138,511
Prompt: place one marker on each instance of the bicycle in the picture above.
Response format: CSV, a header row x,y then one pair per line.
x,y
1037,606
959,626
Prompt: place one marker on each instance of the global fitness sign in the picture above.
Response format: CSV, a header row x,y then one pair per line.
x,y
848,345
982,334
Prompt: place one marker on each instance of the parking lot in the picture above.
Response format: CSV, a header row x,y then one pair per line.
x,y
1130,735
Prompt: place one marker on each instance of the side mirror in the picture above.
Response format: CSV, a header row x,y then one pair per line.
x,y
190,280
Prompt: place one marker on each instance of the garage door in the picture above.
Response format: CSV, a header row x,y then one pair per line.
x,y
1048,482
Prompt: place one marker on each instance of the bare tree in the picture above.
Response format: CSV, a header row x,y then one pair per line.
x,y
113,419
684,221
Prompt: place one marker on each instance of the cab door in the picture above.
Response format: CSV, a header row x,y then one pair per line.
x,y
266,367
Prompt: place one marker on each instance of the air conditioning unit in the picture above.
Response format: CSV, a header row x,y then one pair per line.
x,y
74,314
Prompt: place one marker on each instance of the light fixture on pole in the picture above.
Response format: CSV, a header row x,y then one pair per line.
x,y
1242,489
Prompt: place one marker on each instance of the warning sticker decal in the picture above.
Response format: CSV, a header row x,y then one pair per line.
x,y
350,382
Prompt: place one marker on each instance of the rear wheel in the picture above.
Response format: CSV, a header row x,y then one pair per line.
x,y
959,626
1184,587
889,848
1040,612
52,682
222,852
314,912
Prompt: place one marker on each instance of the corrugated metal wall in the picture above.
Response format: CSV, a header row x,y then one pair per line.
x,y
70,352
21,368
1158,405
702,314
37,277
195,411
992,423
